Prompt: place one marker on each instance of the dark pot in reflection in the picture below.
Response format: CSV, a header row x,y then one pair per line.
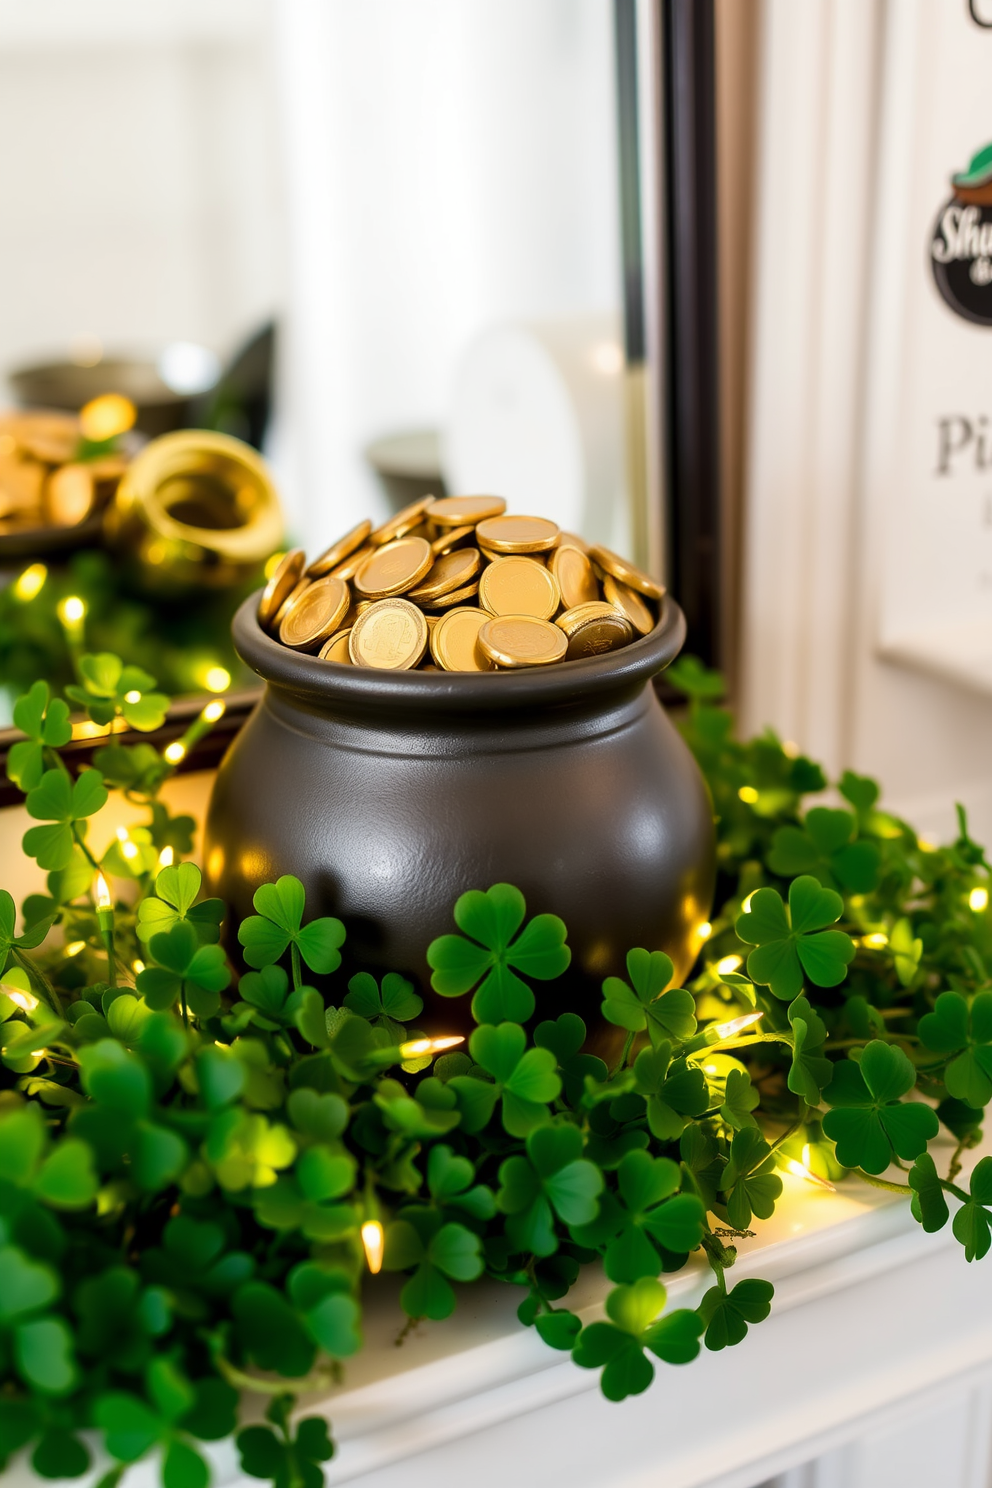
x,y
390,793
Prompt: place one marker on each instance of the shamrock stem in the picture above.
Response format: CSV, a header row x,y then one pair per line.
x,y
623,1057
77,838
958,1193
899,1188
294,956
40,980
954,1167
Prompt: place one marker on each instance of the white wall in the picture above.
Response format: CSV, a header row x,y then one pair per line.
x,y
448,165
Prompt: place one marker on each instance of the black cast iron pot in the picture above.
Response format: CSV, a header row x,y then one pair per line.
x,y
390,793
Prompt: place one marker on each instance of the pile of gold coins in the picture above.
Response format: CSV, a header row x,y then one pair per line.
x,y
49,477
456,585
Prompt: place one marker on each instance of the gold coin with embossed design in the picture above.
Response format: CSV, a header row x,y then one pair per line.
x,y
391,570
592,629
455,641
518,534
391,635
522,640
574,572
314,616
336,649
450,572
519,586
456,511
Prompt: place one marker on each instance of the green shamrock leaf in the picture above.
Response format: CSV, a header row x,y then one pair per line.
x,y
810,1072
440,1251
740,1099
635,1325
526,1078
109,688
45,721
726,1316
645,1004
553,1180
826,847
279,925
175,1409
268,992
972,1225
749,1179
176,888
186,970
65,803
287,1460
792,941
491,920
870,1121
38,1344
647,1217
32,936
928,1203
449,1179
689,676
956,1028
63,1177
906,951
564,1036
388,1009
674,1091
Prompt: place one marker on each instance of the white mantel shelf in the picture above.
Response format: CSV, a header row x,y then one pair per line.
x,y
874,1369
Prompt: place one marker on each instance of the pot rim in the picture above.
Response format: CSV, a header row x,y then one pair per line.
x,y
328,683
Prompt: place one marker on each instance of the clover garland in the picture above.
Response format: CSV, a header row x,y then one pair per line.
x,y
198,1173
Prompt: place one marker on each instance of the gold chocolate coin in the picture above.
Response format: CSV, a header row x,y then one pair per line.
x,y
391,634
575,576
572,540
281,585
450,572
519,586
456,597
283,609
336,649
315,615
394,568
518,534
455,641
339,551
522,640
627,573
403,522
354,561
450,539
629,603
591,629
454,511
69,494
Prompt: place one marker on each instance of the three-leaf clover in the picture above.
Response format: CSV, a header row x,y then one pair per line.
x,y
45,720
554,1179
635,1325
176,1409
646,1004
441,1252
792,941
63,802
110,688
527,1079
279,925
186,970
673,1089
287,1460
449,1179
811,1071
491,920
826,847
176,888
564,1036
869,1120
726,1316
388,1007
972,1224
749,1179
648,1213
955,1028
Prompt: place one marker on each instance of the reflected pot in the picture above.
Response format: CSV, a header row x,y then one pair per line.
x,y
391,793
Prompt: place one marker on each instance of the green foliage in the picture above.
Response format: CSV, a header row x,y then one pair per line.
x,y
193,1165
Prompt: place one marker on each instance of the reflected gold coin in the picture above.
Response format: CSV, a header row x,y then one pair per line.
x,y
336,649
393,569
574,572
450,572
69,495
403,522
522,640
450,539
392,635
281,585
629,603
455,511
456,597
354,561
314,616
519,586
339,551
627,573
455,641
518,534
592,629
